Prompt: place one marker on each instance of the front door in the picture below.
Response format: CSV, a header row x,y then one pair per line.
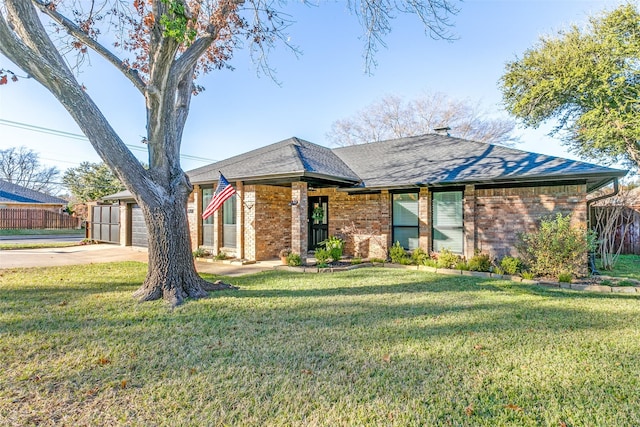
x,y
318,220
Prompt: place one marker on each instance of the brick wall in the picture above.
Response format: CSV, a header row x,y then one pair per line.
x,y
502,213
270,221
362,220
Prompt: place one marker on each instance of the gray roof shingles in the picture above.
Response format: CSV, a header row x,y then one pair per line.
x,y
440,160
430,159
13,193
289,157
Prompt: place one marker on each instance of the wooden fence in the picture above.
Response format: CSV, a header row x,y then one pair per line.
x,y
631,243
37,219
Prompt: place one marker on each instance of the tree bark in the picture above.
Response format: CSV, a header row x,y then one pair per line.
x,y
171,273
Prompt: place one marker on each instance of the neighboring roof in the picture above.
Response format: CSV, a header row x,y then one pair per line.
x,y
435,160
283,160
14,193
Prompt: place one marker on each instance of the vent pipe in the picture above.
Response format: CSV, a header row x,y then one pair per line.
x,y
442,130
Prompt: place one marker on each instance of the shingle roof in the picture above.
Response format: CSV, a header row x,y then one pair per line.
x,y
426,160
292,156
434,159
13,193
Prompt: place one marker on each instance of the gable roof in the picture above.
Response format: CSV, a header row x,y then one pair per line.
x,y
282,161
14,193
439,160
425,160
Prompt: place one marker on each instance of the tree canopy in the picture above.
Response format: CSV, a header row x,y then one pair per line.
x,y
22,166
588,80
162,47
91,181
394,117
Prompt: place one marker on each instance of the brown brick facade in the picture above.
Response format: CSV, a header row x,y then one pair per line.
x,y
362,220
271,220
502,213
493,218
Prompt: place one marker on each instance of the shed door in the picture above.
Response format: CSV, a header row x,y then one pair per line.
x,y
106,223
138,227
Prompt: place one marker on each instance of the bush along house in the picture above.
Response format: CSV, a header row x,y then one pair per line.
x,y
431,191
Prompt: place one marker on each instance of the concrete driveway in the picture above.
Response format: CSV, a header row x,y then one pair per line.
x,y
93,254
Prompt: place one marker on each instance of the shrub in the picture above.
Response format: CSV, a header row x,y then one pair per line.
x,y
430,262
498,270
220,256
447,259
356,261
335,246
528,275
377,260
405,261
418,256
556,247
462,265
565,277
397,253
322,256
480,262
294,259
285,252
510,265
200,253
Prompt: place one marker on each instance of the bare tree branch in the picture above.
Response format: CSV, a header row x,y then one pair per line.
x,y
77,32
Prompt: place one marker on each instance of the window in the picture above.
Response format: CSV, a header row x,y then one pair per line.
x,y
448,224
227,213
405,220
207,224
229,222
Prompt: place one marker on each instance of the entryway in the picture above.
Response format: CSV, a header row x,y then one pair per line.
x,y
318,220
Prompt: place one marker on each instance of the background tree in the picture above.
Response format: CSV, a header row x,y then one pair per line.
x,y
22,166
161,46
394,117
91,181
588,79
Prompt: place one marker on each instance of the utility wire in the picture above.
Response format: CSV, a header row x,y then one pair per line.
x,y
80,137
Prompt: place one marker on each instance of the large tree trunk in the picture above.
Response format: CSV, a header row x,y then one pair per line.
x,y
171,274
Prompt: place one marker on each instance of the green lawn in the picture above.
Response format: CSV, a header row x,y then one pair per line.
x,y
365,347
627,266
13,246
38,232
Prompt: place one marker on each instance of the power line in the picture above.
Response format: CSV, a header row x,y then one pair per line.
x,y
79,137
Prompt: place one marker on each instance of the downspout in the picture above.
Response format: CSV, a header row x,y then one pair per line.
x,y
592,255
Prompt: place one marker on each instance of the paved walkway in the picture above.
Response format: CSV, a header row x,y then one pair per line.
x,y
93,254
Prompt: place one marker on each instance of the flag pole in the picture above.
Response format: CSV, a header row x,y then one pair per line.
x,y
239,196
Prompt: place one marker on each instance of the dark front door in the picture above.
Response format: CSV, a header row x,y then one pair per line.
x,y
318,220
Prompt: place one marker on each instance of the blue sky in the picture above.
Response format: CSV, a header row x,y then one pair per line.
x,y
240,111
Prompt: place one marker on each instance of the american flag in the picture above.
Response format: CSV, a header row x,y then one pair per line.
x,y
224,190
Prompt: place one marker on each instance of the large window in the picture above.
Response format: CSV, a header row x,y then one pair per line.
x,y
448,223
207,224
229,222
405,220
228,215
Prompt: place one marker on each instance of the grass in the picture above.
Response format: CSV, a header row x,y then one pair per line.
x,y
12,246
627,266
39,232
363,347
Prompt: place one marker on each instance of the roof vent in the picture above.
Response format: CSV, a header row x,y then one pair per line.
x,y
442,130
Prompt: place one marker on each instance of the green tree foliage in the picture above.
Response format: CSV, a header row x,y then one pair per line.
x,y
588,79
91,181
